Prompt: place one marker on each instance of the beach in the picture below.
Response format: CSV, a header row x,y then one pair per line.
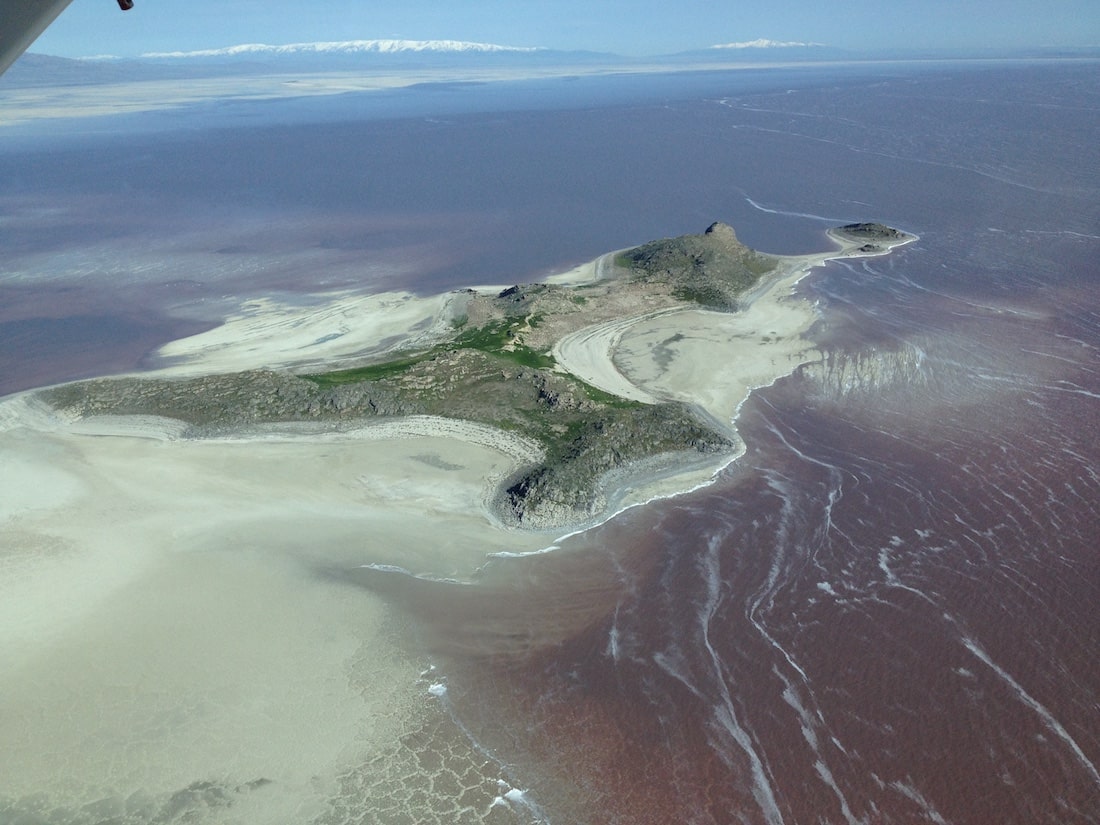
x,y
171,610
176,610
712,359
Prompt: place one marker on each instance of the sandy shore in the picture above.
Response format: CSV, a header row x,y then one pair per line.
x,y
176,611
712,359
320,330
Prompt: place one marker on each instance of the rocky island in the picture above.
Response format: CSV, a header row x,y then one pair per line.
x,y
538,362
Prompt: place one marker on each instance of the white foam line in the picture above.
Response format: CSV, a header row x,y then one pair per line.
x,y
807,722
1077,391
403,571
1068,232
827,777
822,218
906,158
761,787
512,554
1048,718
913,794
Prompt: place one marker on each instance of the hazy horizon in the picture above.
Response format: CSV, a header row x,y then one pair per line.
x,y
90,27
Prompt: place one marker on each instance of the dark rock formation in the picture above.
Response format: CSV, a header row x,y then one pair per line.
x,y
711,269
216,403
564,489
872,231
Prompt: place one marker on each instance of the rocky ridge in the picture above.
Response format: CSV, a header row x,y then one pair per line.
x,y
711,269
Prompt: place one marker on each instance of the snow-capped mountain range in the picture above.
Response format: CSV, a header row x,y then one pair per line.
x,y
349,47
763,43
353,55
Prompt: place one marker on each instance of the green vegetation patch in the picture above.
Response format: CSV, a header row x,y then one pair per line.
x,y
498,338
527,357
606,399
371,372
501,338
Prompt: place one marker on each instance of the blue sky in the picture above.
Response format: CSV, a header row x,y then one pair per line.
x,y
632,27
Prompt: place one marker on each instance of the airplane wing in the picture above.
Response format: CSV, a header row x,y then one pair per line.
x,y
21,23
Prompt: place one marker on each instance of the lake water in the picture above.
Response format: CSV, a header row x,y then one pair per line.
x,y
886,611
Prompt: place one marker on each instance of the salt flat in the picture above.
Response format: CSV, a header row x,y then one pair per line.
x,y
173,610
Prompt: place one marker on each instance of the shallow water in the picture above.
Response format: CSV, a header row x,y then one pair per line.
x,y
885,611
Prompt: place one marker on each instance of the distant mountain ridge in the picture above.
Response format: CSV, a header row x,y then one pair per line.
x,y
349,47
764,43
38,70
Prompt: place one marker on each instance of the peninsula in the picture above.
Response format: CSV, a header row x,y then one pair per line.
x,y
584,374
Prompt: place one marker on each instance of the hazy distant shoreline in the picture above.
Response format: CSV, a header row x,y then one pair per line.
x,y
43,88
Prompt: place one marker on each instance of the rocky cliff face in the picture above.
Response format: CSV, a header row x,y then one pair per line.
x,y
872,232
563,490
874,236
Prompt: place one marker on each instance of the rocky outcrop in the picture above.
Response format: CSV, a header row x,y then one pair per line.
x,y
563,489
216,403
724,234
872,231
711,269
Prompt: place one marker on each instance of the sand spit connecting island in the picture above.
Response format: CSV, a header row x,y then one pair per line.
x,y
162,533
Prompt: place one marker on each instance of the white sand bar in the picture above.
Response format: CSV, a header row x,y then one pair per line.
x,y
587,353
318,329
712,359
